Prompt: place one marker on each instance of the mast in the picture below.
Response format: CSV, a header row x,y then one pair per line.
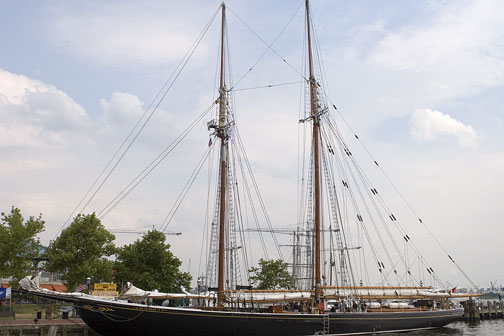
x,y
223,167
316,165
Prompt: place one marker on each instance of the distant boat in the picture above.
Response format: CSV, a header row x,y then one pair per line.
x,y
328,299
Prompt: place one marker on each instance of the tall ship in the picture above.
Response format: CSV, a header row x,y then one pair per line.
x,y
355,267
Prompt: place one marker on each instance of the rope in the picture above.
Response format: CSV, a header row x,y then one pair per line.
x,y
269,46
152,165
268,86
367,184
256,188
173,77
405,200
185,190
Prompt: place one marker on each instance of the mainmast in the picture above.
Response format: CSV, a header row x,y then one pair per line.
x,y
316,166
223,166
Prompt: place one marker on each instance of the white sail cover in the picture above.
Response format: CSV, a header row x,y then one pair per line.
x,y
135,292
32,284
388,292
269,296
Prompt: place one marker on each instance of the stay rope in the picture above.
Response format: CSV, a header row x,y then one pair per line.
x,y
159,98
152,165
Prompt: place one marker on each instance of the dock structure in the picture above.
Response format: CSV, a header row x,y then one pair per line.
x,y
483,310
55,327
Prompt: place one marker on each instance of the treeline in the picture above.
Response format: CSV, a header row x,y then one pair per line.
x,y
86,249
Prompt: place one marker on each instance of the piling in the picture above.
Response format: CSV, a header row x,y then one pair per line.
x,y
483,310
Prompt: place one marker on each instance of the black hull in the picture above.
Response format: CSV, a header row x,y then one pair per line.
x,y
115,318
120,318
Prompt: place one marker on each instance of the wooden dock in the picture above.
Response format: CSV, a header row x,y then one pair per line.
x,y
483,310
55,327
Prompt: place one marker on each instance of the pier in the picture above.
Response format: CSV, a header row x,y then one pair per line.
x,y
483,310
55,327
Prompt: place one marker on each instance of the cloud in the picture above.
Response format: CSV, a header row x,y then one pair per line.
x,y
457,51
122,108
442,54
431,125
14,87
52,150
33,113
118,35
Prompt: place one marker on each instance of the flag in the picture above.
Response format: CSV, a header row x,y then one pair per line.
x,y
81,287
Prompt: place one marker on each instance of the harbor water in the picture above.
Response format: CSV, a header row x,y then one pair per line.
x,y
481,328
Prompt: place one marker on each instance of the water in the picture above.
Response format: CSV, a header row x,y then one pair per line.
x,y
482,328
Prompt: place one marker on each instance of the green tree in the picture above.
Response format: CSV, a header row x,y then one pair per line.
x,y
81,251
149,264
271,274
19,244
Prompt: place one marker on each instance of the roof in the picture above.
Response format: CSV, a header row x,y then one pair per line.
x,y
54,287
59,288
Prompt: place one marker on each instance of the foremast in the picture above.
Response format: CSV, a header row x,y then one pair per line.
x,y
316,165
221,133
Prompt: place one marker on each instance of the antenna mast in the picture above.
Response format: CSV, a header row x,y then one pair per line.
x,y
223,166
316,165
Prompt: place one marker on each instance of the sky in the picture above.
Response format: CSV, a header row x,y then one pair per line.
x,y
420,82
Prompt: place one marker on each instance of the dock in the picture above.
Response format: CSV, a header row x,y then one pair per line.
x,y
54,327
483,310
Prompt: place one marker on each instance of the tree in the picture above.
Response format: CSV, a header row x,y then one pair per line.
x,y
19,244
271,274
149,264
81,251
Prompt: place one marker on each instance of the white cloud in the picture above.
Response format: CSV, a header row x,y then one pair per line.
x,y
117,35
436,56
14,87
431,125
122,108
11,135
33,113
55,111
52,150
458,51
